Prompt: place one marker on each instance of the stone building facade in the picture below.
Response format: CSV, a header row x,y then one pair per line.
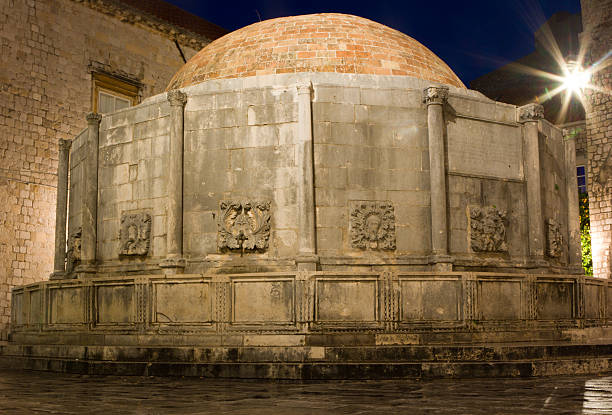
x,y
54,57
597,38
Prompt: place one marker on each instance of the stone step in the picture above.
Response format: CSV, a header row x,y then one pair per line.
x,y
300,354
170,339
308,371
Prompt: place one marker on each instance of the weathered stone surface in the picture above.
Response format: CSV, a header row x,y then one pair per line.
x,y
67,305
182,302
346,301
472,141
430,300
263,302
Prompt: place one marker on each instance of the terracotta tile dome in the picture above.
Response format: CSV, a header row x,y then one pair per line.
x,y
327,42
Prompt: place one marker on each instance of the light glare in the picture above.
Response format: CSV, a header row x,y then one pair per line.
x,y
576,80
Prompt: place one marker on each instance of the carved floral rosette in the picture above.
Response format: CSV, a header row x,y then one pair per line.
x,y
135,234
487,229
244,225
73,253
554,239
372,225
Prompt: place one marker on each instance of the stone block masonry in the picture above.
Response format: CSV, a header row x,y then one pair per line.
x,y
48,50
245,141
597,35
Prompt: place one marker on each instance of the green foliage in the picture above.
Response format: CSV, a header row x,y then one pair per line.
x,y
585,234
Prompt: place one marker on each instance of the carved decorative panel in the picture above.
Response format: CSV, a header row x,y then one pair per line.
x,y
347,300
372,225
66,304
554,238
244,225
135,233
260,301
488,229
73,253
182,301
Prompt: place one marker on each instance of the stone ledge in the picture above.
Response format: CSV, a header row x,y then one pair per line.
x,y
318,371
304,354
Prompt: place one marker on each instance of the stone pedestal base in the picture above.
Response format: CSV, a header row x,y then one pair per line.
x,y
441,263
172,266
58,275
307,262
88,269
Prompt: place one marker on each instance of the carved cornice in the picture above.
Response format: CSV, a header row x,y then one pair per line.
x,y
530,112
64,145
435,95
176,98
93,118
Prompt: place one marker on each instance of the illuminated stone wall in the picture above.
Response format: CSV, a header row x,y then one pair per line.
x,y
597,36
48,50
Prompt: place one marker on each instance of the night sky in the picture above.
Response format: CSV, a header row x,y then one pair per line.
x,y
472,36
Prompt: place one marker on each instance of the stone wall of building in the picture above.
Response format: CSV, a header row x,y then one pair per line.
x,y
371,145
48,50
134,147
597,37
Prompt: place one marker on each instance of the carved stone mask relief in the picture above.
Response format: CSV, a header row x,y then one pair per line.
x,y
73,254
244,225
372,225
135,233
487,229
554,238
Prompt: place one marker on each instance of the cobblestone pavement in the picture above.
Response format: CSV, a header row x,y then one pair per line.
x,y
52,393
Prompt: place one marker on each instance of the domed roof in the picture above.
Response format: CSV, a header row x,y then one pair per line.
x,y
327,42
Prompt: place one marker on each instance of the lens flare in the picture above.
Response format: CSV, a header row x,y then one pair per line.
x,y
576,79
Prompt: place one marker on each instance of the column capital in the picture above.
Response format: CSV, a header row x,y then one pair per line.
x,y
64,145
176,98
93,118
304,87
530,112
435,95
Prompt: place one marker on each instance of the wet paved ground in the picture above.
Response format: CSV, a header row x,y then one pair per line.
x,y
52,393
